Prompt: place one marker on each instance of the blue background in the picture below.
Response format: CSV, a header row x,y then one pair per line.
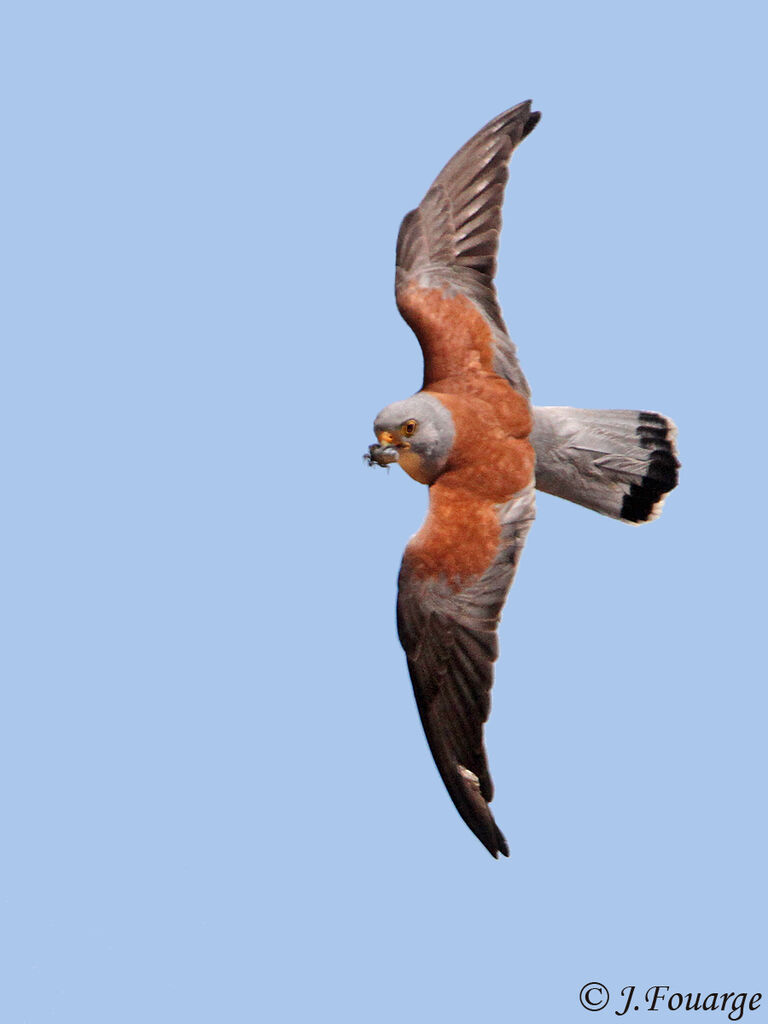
x,y
218,804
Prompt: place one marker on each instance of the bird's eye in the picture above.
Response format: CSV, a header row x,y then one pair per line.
x,y
408,429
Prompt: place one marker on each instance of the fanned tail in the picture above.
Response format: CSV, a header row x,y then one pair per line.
x,y
619,462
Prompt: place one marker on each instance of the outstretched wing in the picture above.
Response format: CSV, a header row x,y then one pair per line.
x,y
446,258
449,635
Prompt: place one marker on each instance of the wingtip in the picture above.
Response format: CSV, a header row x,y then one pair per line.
x,y
496,844
520,120
501,849
471,799
521,111
531,123
503,845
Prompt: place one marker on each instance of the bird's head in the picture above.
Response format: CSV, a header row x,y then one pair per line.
x,y
417,433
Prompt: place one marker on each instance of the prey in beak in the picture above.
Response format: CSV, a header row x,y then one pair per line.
x,y
381,455
386,451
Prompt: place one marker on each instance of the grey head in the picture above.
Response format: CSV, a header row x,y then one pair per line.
x,y
417,433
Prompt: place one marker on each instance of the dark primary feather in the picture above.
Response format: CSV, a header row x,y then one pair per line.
x,y
452,239
451,644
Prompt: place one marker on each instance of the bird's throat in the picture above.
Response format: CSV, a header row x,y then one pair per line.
x,y
412,465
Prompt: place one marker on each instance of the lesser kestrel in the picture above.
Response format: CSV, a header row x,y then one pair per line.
x,y
473,437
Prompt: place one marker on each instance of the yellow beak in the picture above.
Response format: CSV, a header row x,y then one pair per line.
x,y
386,437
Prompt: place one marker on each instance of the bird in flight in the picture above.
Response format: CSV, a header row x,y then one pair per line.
x,y
472,436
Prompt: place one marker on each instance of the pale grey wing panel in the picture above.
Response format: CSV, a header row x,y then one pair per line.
x,y
451,644
619,462
451,240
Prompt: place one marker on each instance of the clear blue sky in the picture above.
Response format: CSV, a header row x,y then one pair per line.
x,y
217,802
